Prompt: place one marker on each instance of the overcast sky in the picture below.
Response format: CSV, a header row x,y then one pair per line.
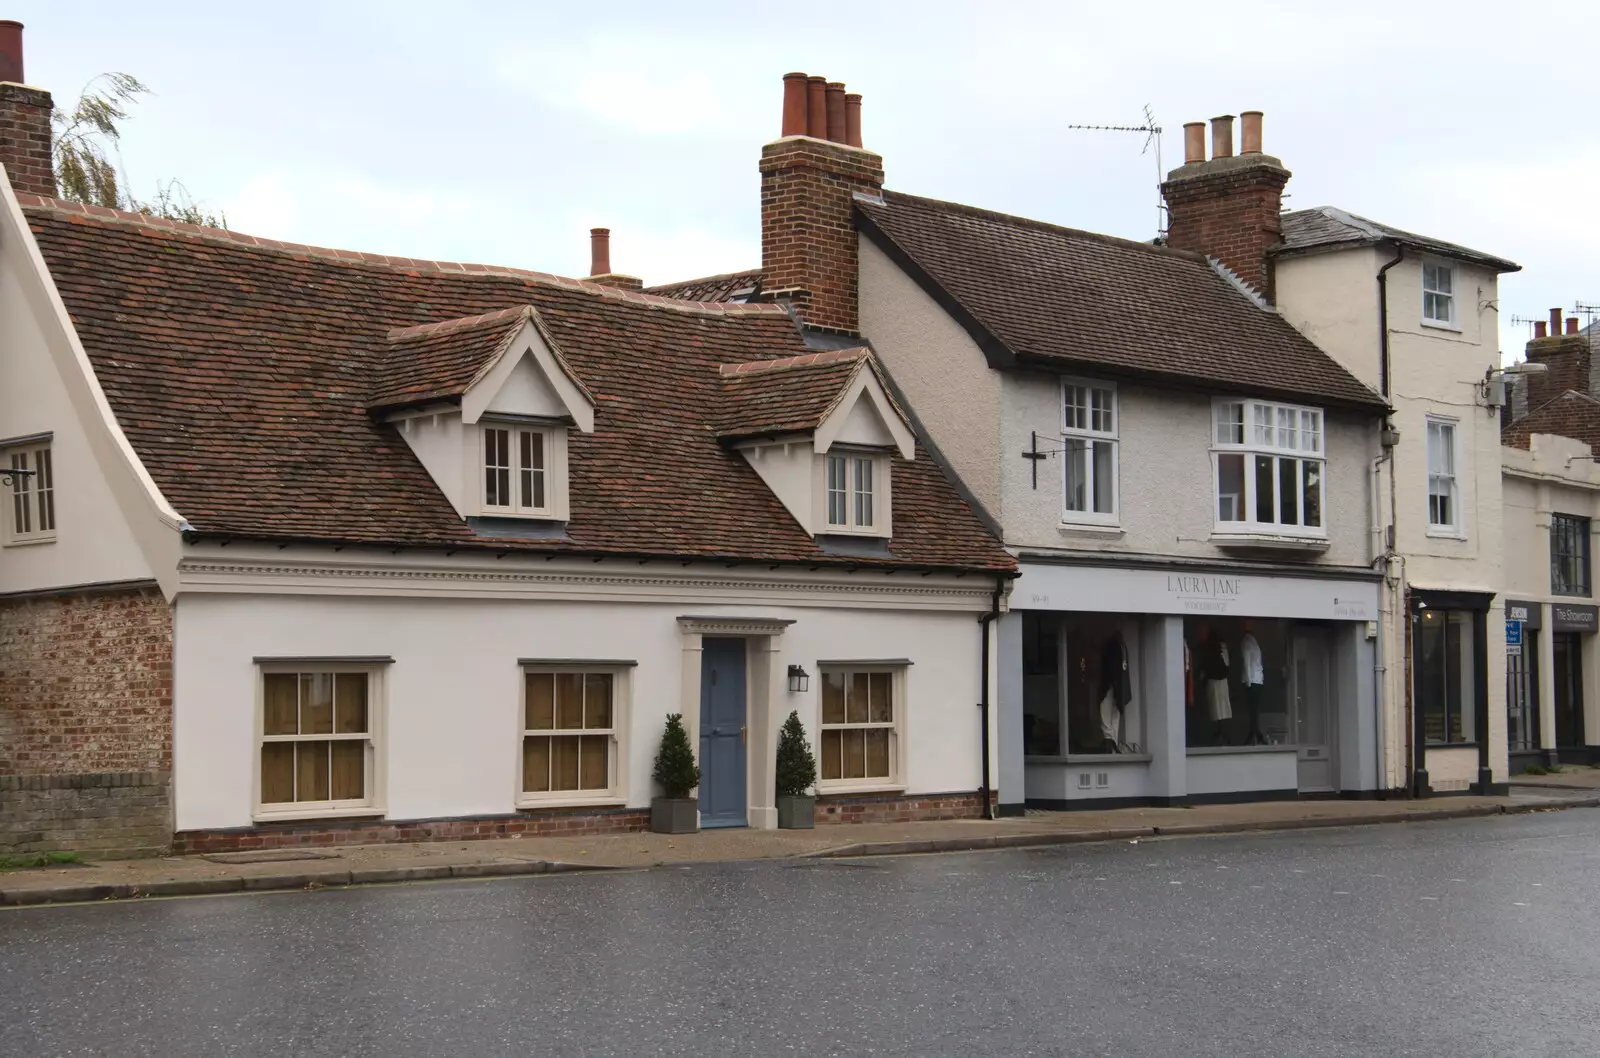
x,y
501,132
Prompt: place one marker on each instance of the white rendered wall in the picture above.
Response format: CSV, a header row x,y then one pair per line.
x,y
454,690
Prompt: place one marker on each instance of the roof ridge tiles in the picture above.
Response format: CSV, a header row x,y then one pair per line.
x,y
462,323
361,257
826,356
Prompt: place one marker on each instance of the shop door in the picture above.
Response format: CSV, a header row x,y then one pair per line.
x,y
1311,688
722,733
1568,650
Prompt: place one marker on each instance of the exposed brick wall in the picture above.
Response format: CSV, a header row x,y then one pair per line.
x,y
569,822
808,234
1568,358
897,808
1229,208
25,139
85,703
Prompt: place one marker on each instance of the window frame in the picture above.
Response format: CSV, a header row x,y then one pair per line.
x,y
1454,529
1250,448
616,793
854,457
25,491
1458,673
898,677
1577,529
1088,435
1453,322
374,764
553,438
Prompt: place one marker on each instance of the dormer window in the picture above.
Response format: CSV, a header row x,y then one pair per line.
x,y
852,501
515,468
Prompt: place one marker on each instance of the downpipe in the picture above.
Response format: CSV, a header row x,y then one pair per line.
x,y
984,650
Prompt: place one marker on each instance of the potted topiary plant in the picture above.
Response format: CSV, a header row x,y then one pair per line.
x,y
675,812
797,773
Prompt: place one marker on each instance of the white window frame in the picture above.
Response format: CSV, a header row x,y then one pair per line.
x,y
898,678
1453,320
30,508
1455,528
1305,442
368,806
553,441
616,793
1088,433
878,508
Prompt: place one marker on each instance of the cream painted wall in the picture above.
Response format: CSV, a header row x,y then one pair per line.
x,y
526,391
790,471
1165,476
1332,298
95,542
453,692
941,371
437,442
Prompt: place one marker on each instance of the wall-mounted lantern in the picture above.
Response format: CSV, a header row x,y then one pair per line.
x,y
799,679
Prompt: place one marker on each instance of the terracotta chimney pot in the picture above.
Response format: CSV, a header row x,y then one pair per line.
x,y
1222,136
852,119
1539,328
1194,142
11,51
599,251
1572,325
835,96
794,104
817,107
1250,132
1555,322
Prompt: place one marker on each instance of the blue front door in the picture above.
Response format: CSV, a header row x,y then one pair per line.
x,y
722,733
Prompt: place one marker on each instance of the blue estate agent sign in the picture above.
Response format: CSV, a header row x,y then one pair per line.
x,y
1513,633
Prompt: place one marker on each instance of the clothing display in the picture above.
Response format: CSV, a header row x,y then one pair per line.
x,y
1250,660
1114,670
1111,721
1217,703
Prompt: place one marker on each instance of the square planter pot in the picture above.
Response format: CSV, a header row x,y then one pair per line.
x,y
797,812
675,815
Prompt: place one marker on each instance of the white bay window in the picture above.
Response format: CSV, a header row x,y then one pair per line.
x,y
1089,452
1268,466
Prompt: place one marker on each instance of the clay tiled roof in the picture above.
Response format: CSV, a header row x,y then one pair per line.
x,y
1030,291
734,286
792,394
1572,414
241,371
1330,228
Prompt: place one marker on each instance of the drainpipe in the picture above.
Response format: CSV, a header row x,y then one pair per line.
x,y
1383,321
984,622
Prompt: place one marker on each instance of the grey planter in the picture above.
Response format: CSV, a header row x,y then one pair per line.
x,y
675,815
797,812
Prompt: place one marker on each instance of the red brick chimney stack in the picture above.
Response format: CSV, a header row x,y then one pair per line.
x,y
1572,325
24,121
1228,207
1566,356
809,180
600,263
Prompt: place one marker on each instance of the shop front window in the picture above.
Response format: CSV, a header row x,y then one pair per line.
x,y
1237,681
1081,684
1522,694
1445,681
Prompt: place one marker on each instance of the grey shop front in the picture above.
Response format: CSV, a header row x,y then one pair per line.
x,y
1168,684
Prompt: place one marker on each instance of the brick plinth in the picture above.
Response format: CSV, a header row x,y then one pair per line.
x,y
86,722
25,139
808,234
898,808
571,822
1230,209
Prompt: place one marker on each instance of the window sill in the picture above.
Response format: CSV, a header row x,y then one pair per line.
x,y
533,804
309,815
849,789
28,541
1437,533
1228,751
1089,758
1275,541
1453,328
1450,745
1092,528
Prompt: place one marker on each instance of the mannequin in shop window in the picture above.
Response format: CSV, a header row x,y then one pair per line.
x,y
1116,690
1211,658
1252,675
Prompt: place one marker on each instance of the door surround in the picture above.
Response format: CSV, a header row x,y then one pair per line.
x,y
763,695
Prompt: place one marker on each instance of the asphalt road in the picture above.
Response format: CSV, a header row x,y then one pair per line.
x,y
1455,939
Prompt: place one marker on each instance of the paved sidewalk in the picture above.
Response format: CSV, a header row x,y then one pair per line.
x,y
376,864
1570,777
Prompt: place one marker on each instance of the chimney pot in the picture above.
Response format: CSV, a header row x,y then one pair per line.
x,y
794,104
599,251
11,51
1222,136
1194,142
817,107
1250,132
1538,328
836,111
1555,322
1572,325
852,119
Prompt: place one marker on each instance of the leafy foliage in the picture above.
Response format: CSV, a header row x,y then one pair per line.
x,y
797,766
676,770
87,160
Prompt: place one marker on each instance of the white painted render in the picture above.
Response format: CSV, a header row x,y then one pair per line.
x,y
552,388
789,469
452,695
439,440
525,390
112,523
865,411
939,368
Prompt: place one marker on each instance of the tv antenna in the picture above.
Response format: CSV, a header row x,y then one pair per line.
x,y
1152,133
